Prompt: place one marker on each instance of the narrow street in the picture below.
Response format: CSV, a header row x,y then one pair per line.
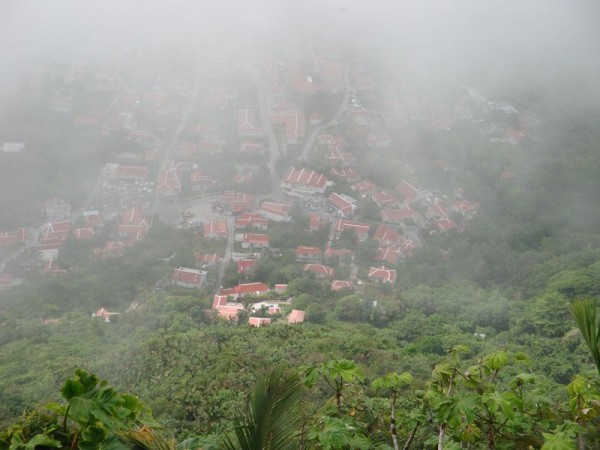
x,y
348,92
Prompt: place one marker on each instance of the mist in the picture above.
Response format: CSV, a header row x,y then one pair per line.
x,y
538,42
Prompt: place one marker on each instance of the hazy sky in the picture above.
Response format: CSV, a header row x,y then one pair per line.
x,y
493,38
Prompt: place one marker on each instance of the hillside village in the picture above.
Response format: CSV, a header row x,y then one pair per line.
x,y
241,148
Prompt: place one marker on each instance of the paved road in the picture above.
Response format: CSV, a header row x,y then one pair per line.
x,y
228,250
348,92
182,121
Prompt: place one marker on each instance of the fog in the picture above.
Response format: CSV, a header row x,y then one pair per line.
x,y
496,41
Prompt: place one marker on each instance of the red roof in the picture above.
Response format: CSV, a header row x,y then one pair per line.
x,y
280,287
168,183
139,172
245,265
236,202
364,187
361,228
384,199
255,238
390,255
320,270
280,209
409,193
215,228
305,251
251,288
251,220
342,203
293,121
187,276
382,274
305,177
345,174
259,321
316,221
198,178
84,233
338,285
386,235
247,120
206,258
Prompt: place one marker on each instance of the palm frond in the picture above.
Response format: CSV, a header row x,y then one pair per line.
x,y
271,419
584,313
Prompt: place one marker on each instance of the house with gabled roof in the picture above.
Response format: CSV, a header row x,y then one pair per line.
x,y
252,148
410,194
189,278
236,202
215,229
259,321
315,221
55,231
382,275
338,158
339,285
278,212
344,204
246,266
384,200
304,253
243,289
130,172
104,314
14,237
303,181
168,184
386,236
389,255
200,182
255,240
248,123
320,270
360,228
364,187
206,259
224,309
133,224
293,122
247,220
401,215
345,174
340,253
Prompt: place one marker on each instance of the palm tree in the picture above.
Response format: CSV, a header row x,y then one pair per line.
x,y
584,312
271,420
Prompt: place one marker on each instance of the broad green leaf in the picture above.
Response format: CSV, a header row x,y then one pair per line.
x,y
558,441
393,381
72,388
81,409
89,381
578,386
442,371
496,360
41,440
